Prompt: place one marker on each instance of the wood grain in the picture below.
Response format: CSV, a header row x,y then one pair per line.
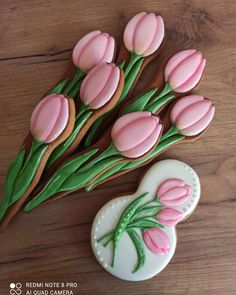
x,y
52,243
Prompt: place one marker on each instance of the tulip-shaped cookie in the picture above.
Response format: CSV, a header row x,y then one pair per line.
x,y
133,236
99,92
143,36
182,74
51,123
94,48
189,117
133,136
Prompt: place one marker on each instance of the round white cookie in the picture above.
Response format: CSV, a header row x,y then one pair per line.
x,y
109,215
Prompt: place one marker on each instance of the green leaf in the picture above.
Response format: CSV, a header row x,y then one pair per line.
x,y
106,174
139,104
147,212
27,174
129,80
12,175
63,147
78,180
145,223
139,246
54,183
59,87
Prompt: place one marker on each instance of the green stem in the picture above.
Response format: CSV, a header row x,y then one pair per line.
x,y
133,58
78,75
155,105
172,131
167,89
107,235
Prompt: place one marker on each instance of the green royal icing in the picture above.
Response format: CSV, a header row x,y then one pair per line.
x,y
11,177
59,87
136,216
56,181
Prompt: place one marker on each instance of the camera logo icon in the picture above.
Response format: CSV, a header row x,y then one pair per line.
x,y
16,289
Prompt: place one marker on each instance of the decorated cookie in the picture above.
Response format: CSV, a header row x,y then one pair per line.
x,y
134,236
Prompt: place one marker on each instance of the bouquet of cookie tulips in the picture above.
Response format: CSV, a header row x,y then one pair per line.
x,y
89,129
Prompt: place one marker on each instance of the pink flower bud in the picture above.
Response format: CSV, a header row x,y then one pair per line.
x,y
136,133
50,118
192,114
173,192
92,49
169,216
144,33
184,70
157,241
99,85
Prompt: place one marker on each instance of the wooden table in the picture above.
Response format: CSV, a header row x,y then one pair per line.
x,y
53,242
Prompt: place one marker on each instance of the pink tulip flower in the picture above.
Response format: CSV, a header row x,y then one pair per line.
x,y
169,216
192,114
184,70
144,33
134,134
94,48
157,241
174,192
99,85
50,118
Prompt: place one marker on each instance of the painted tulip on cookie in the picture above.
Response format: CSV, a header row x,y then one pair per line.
x,y
169,216
173,192
94,48
136,133
50,118
100,85
157,241
144,33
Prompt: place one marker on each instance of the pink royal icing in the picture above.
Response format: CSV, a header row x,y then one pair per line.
x,y
192,114
184,70
49,118
173,192
136,133
144,33
157,241
94,48
100,85
169,216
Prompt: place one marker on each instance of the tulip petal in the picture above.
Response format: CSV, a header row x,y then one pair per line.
x,y
176,202
130,28
169,184
61,121
176,60
109,51
123,121
174,193
182,104
184,70
144,33
192,114
193,80
158,37
108,90
201,124
139,129
145,146
169,216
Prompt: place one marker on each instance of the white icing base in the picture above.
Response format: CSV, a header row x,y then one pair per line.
x,y
107,218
